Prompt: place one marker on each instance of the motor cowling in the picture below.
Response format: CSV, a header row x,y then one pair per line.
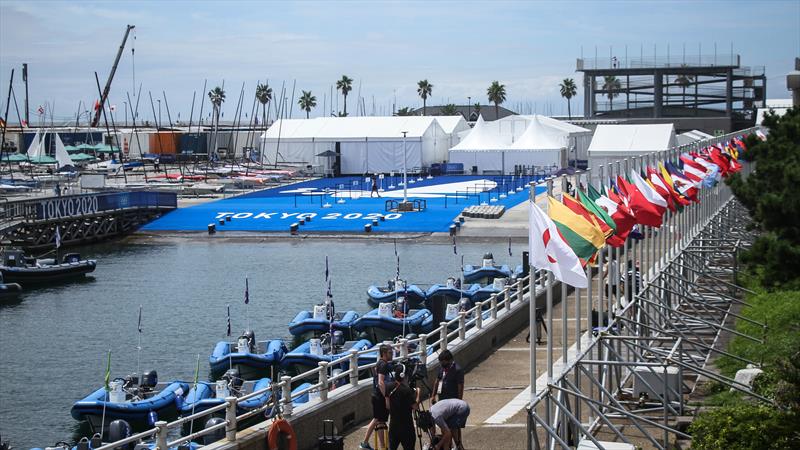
x,y
215,435
250,335
149,380
338,338
118,430
234,379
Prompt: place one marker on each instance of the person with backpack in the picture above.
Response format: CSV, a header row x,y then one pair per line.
x,y
403,400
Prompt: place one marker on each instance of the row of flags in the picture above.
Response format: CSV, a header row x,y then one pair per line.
x,y
568,237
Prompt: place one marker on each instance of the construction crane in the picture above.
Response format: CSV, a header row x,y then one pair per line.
x,y
99,109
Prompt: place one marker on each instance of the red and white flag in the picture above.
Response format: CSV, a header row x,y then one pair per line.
x,y
549,250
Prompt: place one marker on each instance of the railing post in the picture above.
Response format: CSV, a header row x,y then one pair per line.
x,y
443,336
423,348
403,349
462,325
230,416
287,395
520,292
479,315
354,368
161,435
493,306
323,381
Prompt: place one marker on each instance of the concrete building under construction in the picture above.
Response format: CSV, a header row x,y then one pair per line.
x,y
713,93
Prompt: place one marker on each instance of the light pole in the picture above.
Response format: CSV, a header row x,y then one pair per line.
x,y
405,172
469,106
159,113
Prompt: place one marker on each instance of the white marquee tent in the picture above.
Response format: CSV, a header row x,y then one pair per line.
x,y
365,144
692,136
499,146
615,142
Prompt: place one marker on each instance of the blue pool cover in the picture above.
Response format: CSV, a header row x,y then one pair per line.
x,y
344,205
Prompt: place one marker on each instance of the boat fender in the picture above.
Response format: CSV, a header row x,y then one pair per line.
x,y
279,427
152,418
178,402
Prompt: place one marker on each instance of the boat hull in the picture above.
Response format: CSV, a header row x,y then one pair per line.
x,y
301,359
250,365
304,326
164,403
415,297
382,328
47,274
485,275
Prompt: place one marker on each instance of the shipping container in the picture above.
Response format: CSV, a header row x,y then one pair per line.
x,y
194,144
164,142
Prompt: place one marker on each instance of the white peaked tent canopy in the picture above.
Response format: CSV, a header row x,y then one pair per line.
x,y
487,148
692,136
614,142
366,144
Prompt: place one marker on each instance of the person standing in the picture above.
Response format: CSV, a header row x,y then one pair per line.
x,y
403,400
450,380
380,402
374,179
450,416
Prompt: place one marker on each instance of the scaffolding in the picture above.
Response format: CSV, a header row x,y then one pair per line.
x,y
624,382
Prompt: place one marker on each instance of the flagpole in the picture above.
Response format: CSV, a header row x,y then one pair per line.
x,y
230,349
196,376
139,345
108,394
548,403
564,330
247,301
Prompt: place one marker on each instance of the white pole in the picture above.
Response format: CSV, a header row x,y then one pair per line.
x,y
405,172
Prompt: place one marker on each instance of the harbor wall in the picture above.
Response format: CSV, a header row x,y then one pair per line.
x,y
349,407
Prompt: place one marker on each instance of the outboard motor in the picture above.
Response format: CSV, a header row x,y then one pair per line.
x,y
96,441
72,258
217,434
118,430
451,282
149,380
131,381
250,335
488,260
390,284
412,347
338,338
234,380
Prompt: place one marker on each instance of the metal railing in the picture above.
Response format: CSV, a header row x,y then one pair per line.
x,y
452,331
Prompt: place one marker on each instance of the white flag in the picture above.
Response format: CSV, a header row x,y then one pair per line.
x,y
550,252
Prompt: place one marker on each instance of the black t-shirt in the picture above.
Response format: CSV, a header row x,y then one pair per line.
x,y
449,380
401,402
384,368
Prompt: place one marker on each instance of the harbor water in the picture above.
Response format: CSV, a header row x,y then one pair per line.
x,y
54,340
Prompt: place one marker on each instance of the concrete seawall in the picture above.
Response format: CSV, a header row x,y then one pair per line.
x,y
348,406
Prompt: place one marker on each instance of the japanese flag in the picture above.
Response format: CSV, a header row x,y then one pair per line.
x,y
549,251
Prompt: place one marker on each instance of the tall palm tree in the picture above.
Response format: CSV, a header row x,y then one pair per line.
x,y
217,97
264,96
306,102
497,95
424,89
345,85
612,86
568,90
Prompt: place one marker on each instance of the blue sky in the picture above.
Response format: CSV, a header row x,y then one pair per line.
x,y
460,47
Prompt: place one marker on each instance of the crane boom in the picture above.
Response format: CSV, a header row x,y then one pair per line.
x,y
104,96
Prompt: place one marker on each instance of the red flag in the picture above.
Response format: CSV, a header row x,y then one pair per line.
x,y
96,105
646,213
620,213
660,186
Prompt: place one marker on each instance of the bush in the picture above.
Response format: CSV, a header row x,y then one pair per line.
x,y
745,427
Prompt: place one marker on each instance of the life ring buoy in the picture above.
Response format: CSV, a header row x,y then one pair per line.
x,y
279,427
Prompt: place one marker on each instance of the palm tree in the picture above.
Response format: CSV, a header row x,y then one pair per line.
x,y
497,95
449,109
306,102
264,96
345,85
217,97
611,85
568,90
424,89
404,111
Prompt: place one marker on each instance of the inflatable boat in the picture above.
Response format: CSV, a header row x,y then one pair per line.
x,y
131,400
309,354
494,288
9,289
253,359
486,272
18,268
393,290
450,292
310,324
207,395
388,321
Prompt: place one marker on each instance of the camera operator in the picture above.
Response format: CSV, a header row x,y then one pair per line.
x,y
380,400
403,400
451,416
450,380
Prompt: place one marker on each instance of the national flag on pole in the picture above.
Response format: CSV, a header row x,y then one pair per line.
x,y
40,110
398,267
395,247
583,237
549,250
246,291
649,192
58,237
139,326
326,269
681,183
693,171
455,250
679,198
646,213
577,207
614,240
509,247
228,333
108,373
620,213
